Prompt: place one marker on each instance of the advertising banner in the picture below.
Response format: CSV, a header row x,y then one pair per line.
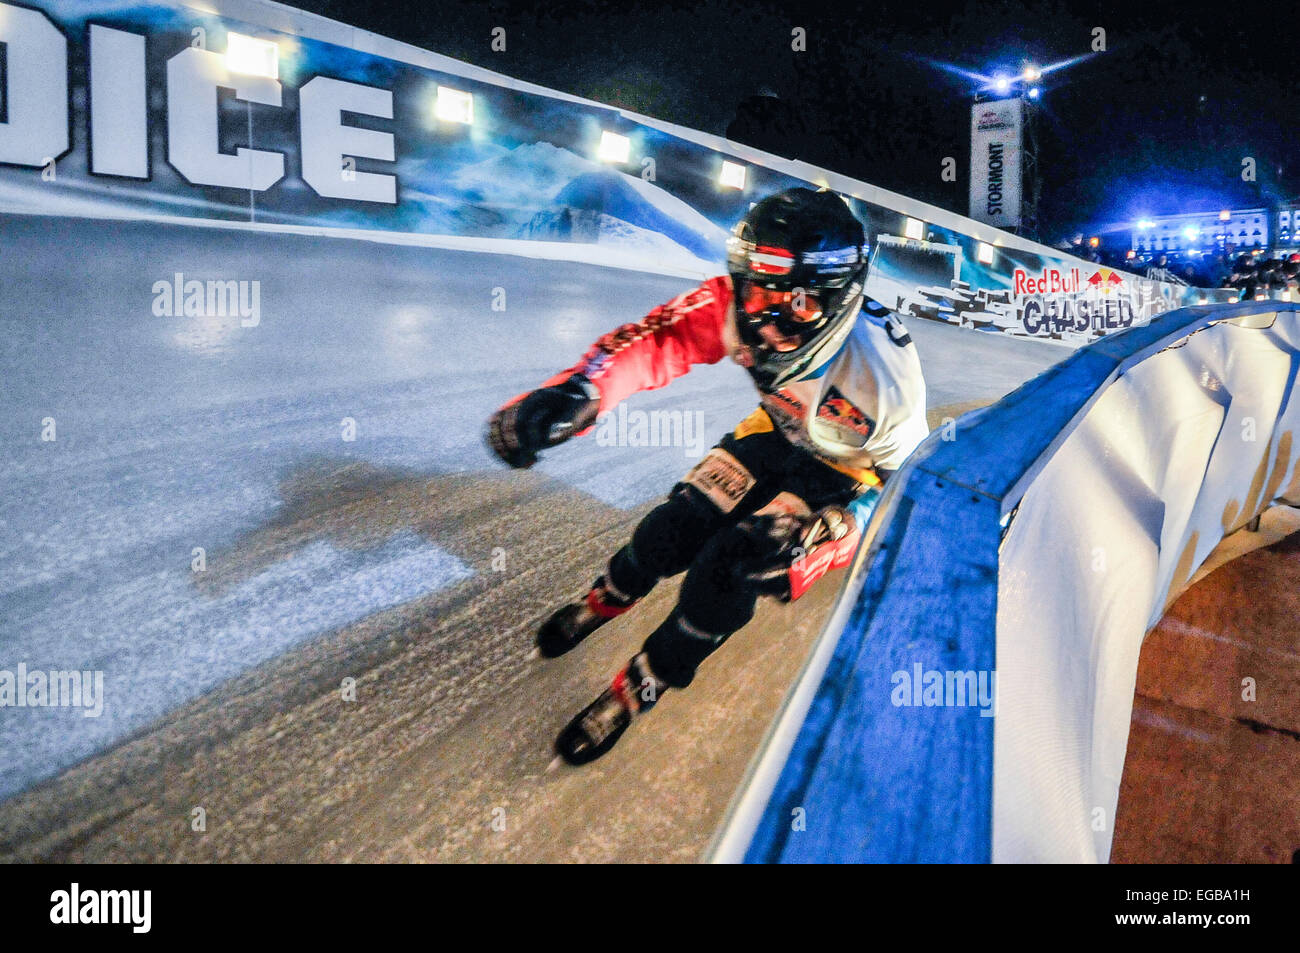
x,y
163,110
995,163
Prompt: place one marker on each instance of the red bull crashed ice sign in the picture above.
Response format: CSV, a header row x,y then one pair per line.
x,y
1056,300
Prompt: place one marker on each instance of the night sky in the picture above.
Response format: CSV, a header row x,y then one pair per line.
x,y
1158,123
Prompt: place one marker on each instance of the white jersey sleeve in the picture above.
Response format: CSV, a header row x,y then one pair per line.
x,y
887,369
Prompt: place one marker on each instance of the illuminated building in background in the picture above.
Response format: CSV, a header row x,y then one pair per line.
x,y
1202,232
1288,227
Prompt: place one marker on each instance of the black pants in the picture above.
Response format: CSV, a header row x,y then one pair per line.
x,y
708,527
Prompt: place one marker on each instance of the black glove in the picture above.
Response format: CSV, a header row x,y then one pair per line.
x,y
786,538
542,418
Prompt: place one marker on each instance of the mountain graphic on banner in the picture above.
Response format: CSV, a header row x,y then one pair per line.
x,y
613,194
557,194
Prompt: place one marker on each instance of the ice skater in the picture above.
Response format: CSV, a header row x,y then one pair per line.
x,y
781,499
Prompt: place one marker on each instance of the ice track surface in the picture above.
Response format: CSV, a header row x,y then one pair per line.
x,y
406,558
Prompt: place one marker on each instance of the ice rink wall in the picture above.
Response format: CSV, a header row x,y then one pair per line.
x,y
971,699
144,109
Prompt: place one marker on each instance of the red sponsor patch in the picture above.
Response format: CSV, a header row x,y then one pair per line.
x,y
836,409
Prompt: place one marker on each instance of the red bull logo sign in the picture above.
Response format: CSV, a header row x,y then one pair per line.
x,y
1060,300
1106,279
1048,281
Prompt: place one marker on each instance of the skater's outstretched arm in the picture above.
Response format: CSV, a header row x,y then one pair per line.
x,y
645,355
661,346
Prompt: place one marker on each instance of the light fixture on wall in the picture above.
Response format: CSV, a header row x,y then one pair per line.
x,y
732,175
454,105
914,229
613,147
249,56
985,253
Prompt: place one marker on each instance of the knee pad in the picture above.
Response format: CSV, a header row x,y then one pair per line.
x,y
718,574
774,529
764,565
766,546
714,596
667,539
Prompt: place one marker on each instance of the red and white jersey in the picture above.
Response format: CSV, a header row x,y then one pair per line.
x,y
864,408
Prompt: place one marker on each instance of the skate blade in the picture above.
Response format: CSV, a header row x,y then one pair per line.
x,y
556,763
535,654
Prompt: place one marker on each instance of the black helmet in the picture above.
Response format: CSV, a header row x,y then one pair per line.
x,y
798,261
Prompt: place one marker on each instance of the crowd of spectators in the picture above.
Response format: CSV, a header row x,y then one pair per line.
x,y
1250,274
1254,276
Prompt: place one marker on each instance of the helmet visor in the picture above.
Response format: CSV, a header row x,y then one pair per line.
x,y
795,307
